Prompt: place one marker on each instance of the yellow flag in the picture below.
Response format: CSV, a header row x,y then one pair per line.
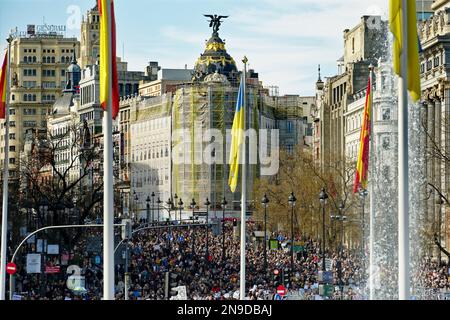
x,y
237,134
395,24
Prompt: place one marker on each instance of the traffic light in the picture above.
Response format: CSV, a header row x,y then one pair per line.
x,y
286,277
276,277
126,229
234,222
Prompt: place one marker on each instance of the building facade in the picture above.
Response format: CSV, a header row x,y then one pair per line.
x,y
38,75
434,35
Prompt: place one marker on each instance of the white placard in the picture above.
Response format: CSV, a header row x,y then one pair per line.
x,y
53,249
40,245
33,263
182,294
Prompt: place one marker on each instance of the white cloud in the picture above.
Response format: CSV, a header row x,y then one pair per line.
x,y
285,40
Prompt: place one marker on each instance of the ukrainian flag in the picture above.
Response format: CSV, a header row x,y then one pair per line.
x,y
237,135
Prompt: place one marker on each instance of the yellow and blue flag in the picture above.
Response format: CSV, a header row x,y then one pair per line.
x,y
237,137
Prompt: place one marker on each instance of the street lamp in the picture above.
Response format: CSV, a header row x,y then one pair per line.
x,y
207,204
153,207
148,208
159,203
323,196
180,207
265,204
136,205
193,204
363,193
224,206
292,200
169,205
340,218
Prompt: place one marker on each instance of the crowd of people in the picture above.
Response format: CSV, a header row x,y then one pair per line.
x,y
195,259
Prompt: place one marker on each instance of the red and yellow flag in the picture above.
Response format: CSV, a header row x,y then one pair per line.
x,y
106,57
362,165
3,84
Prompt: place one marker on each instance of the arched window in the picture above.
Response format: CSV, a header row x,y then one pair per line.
x,y
53,59
25,97
34,97
63,60
34,59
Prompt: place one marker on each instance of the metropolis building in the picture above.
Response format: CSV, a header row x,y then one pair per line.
x,y
176,145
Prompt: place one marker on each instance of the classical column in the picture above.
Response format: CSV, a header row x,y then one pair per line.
x,y
430,222
437,162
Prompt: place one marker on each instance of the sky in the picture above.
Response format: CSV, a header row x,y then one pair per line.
x,y
284,40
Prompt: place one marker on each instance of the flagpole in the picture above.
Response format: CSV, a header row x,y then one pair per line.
x,y
108,208
4,244
403,166
371,193
244,189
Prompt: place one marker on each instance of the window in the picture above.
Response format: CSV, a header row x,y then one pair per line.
x,y
29,84
12,112
436,62
12,136
29,112
12,124
12,160
422,67
30,124
429,65
12,148
386,114
49,84
289,127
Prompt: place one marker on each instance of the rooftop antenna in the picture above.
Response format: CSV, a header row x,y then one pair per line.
x,y
123,51
319,74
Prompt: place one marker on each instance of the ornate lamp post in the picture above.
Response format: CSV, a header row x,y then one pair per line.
x,y
224,206
265,204
169,205
136,205
323,196
292,201
153,207
180,207
207,204
193,204
148,209
158,202
340,218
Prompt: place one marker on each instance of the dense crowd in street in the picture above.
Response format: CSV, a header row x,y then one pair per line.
x,y
196,261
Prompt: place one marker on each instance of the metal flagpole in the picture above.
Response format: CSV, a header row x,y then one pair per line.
x,y
371,193
244,189
108,208
4,244
403,165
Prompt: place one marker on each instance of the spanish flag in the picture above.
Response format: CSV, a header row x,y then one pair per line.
x,y
237,134
3,84
363,154
106,57
395,25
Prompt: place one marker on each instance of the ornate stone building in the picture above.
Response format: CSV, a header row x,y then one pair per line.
x,y
434,35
